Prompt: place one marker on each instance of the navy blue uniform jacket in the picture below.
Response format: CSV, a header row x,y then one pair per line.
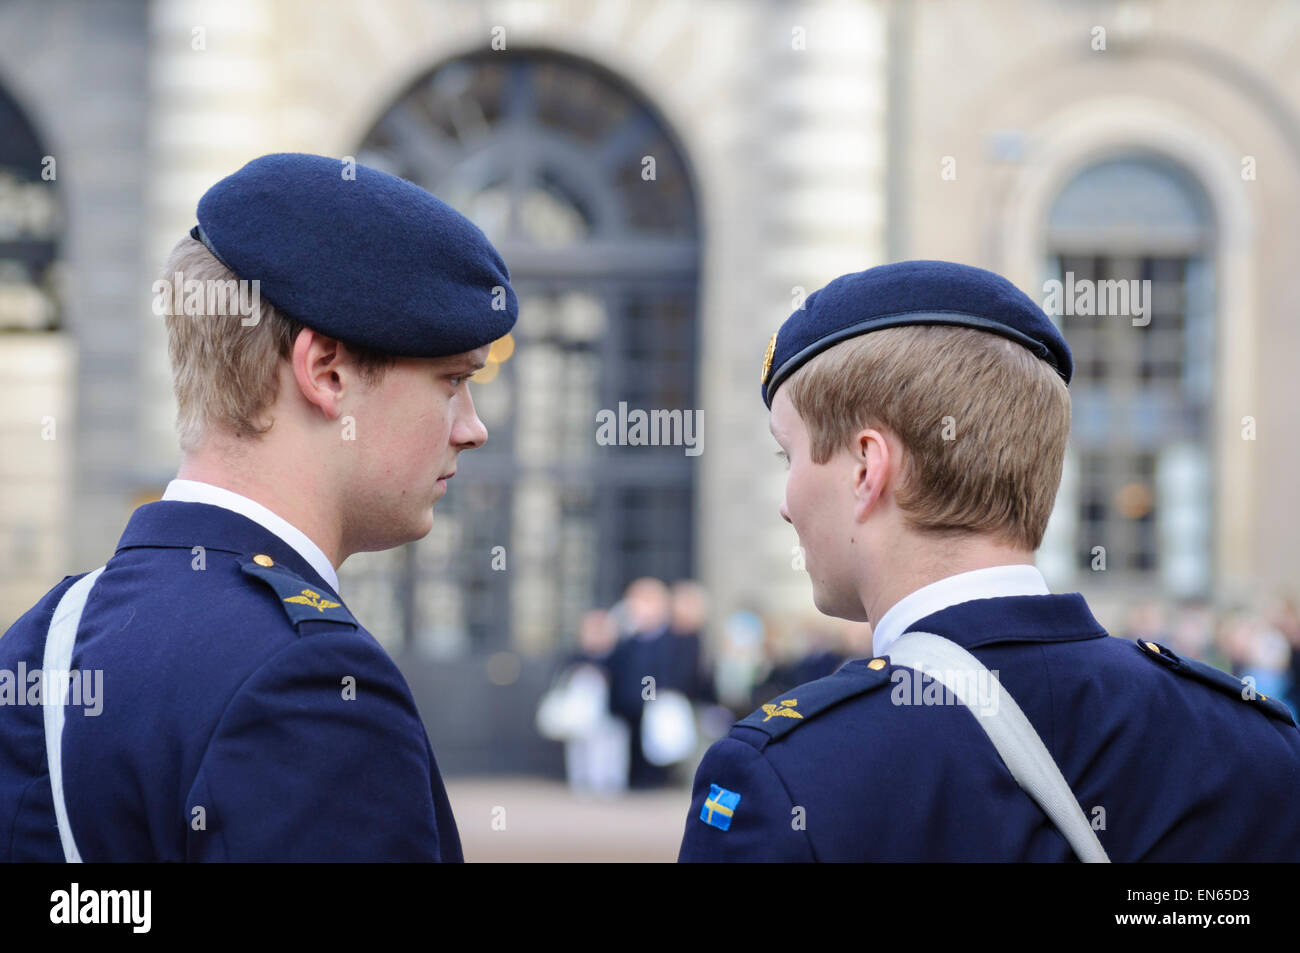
x,y
1170,759
225,731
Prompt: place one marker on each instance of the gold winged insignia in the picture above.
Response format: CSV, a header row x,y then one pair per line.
x,y
785,708
310,598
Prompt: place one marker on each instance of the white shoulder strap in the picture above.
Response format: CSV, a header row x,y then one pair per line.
x,y
1024,753
59,642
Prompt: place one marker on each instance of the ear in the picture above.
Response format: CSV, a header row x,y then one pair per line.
x,y
873,463
317,363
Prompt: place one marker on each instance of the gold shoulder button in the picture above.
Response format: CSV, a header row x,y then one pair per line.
x,y
1153,647
263,560
876,664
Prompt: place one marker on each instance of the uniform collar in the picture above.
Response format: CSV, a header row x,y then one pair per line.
x,y
1050,618
173,524
193,491
993,582
1004,607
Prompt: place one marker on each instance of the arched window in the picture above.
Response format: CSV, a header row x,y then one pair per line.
x,y
1139,473
585,192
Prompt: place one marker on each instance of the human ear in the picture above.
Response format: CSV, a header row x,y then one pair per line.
x,y
316,361
871,466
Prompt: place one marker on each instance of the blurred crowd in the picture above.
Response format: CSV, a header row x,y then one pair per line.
x,y
644,692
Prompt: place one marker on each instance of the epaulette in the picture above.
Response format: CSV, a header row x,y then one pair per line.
x,y
299,600
791,709
1238,688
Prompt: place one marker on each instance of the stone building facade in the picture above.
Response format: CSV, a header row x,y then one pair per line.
x,y
797,140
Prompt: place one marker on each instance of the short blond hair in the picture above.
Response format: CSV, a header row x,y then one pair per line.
x,y
983,423
223,371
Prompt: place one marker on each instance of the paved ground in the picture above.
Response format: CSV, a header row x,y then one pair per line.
x,y
544,821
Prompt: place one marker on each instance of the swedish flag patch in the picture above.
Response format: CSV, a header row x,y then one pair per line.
x,y
719,807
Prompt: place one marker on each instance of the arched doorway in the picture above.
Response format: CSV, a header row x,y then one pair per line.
x,y
583,188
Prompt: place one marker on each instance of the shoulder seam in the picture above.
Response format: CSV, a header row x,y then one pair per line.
x,y
762,755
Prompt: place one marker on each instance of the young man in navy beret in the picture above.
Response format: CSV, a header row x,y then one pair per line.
x,y
246,714
923,411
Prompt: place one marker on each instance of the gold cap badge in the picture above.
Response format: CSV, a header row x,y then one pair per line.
x,y
767,358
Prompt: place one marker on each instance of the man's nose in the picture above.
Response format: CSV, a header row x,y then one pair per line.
x,y
470,433
785,514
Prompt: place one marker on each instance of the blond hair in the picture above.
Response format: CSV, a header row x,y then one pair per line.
x,y
224,372
983,423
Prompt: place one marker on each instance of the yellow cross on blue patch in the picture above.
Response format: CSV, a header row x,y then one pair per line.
x,y
719,807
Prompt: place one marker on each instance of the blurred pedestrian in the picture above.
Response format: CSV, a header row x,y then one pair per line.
x,y
577,712
640,668
687,670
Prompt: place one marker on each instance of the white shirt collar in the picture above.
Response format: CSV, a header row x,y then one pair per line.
x,y
192,491
1020,580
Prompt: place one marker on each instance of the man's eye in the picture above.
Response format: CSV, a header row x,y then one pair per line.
x,y
783,456
457,381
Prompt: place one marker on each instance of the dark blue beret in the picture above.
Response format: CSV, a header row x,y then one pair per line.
x,y
911,292
371,260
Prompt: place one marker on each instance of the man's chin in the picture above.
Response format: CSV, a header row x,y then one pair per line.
x,y
424,525
847,608
412,531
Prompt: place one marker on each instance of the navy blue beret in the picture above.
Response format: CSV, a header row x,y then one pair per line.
x,y
370,259
911,292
